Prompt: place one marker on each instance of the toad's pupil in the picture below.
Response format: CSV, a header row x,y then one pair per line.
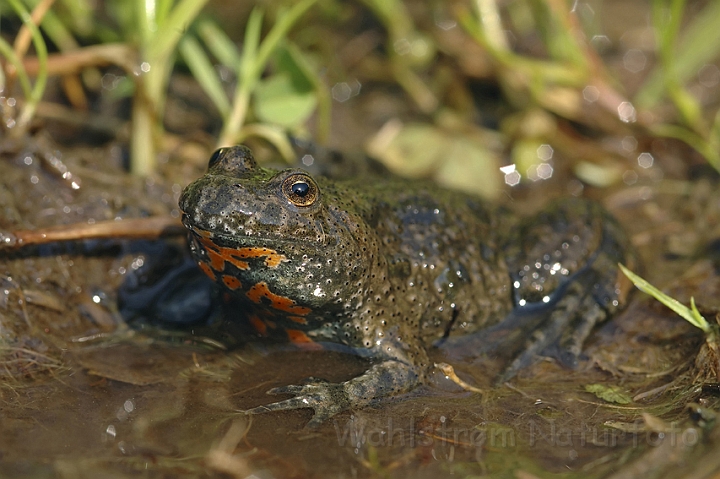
x,y
300,189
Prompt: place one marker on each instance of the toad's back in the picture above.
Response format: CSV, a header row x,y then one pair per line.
x,y
446,270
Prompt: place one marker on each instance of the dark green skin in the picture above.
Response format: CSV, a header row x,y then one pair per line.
x,y
387,267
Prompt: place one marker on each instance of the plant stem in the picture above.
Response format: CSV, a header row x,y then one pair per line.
x,y
254,58
28,110
161,30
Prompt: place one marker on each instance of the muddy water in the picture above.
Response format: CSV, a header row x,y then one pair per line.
x,y
84,393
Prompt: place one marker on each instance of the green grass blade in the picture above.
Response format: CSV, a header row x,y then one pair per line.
x,y
6,50
688,136
247,68
55,29
700,45
168,34
667,18
204,72
162,10
255,56
144,21
280,30
219,44
79,17
489,26
714,142
324,100
691,315
41,51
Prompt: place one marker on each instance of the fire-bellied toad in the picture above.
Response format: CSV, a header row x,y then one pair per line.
x,y
388,267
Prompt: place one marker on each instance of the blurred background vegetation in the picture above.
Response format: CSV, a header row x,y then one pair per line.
x,y
476,94
488,96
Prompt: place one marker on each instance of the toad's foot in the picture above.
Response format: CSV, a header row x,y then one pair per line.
x,y
563,334
327,399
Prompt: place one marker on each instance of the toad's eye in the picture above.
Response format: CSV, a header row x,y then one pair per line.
x,y
216,157
300,189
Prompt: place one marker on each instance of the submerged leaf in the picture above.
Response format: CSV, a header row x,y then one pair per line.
x,y
608,393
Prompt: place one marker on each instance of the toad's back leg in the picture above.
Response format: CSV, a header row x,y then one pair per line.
x,y
566,257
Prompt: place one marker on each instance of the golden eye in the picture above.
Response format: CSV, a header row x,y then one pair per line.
x,y
300,189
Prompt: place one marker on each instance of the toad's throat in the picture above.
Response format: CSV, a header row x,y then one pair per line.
x,y
218,256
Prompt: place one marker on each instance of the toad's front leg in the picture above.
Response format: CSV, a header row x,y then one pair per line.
x,y
388,378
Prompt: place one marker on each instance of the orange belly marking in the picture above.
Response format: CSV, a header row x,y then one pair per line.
x,y
261,290
231,282
207,270
258,324
302,340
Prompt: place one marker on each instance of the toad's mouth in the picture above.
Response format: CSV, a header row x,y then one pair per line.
x,y
228,240
244,237
221,248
